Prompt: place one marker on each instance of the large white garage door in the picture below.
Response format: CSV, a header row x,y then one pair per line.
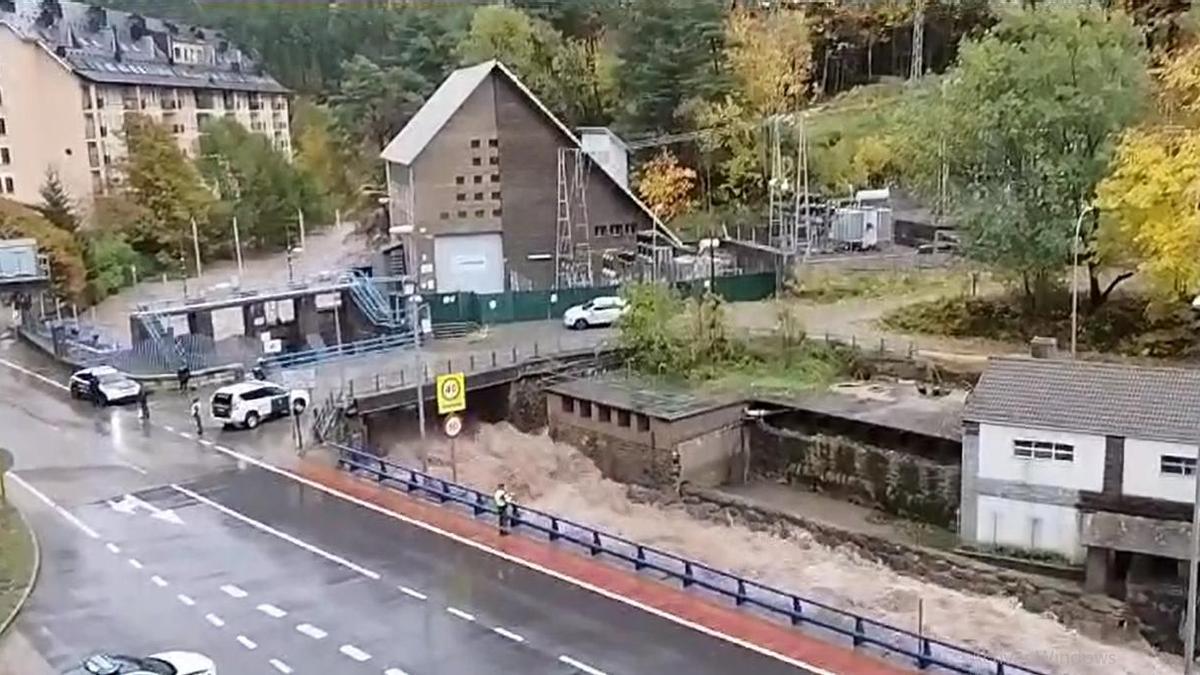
x,y
469,262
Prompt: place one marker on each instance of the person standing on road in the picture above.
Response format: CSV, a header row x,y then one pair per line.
x,y
143,405
258,372
94,393
503,505
196,416
184,374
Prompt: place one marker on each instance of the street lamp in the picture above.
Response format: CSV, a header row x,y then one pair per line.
x,y
1189,638
1075,278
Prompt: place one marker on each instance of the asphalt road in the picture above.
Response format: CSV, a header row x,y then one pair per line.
x,y
154,541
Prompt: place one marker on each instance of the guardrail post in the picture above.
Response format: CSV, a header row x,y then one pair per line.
x,y
741,593
401,378
853,341
425,374
882,348
441,493
858,631
449,365
595,542
553,533
477,505
493,358
514,354
687,573
472,362
797,611
382,472
535,349
376,381
926,652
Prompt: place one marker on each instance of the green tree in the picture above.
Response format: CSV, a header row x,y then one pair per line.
x,y
326,155
671,51
258,185
67,269
164,182
1024,127
110,259
57,205
375,102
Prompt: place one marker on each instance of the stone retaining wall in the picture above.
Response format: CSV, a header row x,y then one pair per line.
x,y
1097,616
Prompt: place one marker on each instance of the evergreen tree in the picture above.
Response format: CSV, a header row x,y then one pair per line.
x,y
57,205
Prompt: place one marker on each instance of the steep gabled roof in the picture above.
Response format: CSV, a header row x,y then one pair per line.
x,y
1113,399
451,95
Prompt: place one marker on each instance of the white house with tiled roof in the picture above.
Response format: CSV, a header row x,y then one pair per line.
x,y
1093,461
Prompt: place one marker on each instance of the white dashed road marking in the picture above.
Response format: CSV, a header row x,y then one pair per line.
x,y
311,631
135,564
282,535
186,600
247,642
411,593
214,620
508,634
280,666
272,611
460,614
580,665
185,434
169,428
159,581
206,442
233,591
113,547
394,671
355,653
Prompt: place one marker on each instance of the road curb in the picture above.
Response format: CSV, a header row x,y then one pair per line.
x,y
33,574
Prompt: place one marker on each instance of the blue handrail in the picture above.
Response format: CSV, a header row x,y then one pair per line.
x,y
345,350
923,651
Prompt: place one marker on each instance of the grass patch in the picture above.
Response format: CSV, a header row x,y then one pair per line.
x,y
1124,325
16,559
830,287
767,368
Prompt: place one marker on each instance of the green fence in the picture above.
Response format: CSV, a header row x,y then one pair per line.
x,y
511,306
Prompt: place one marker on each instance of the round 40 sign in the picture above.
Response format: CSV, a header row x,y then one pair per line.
x,y
451,393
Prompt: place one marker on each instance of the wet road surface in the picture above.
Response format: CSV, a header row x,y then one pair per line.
x,y
151,541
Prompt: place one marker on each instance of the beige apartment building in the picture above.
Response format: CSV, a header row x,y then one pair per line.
x,y
68,83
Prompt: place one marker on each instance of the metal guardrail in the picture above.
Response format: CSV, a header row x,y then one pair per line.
x,y
924,652
334,352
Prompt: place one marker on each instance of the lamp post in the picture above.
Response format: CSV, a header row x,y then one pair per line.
x,y
1075,278
1189,637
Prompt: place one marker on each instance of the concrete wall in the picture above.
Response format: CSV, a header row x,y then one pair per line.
x,y
1029,524
997,461
1142,471
713,459
43,115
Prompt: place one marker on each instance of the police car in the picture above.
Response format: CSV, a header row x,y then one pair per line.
x,y
248,403
115,386
167,663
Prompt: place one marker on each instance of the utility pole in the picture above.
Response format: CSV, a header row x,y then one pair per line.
x,y
196,249
237,247
414,318
918,40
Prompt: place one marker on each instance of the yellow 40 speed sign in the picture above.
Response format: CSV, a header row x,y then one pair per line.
x,y
451,393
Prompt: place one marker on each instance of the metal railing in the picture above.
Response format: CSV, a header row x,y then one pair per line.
x,y
342,351
922,651
372,303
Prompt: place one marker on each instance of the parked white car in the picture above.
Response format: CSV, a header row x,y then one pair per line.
x,y
601,311
115,386
167,663
249,403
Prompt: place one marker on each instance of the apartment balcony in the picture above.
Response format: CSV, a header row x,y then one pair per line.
x,y
278,106
131,104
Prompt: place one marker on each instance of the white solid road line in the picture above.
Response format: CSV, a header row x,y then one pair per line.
x,y
206,442
214,620
247,642
186,600
272,611
70,517
355,653
135,563
159,581
22,369
460,614
580,666
311,631
233,591
479,546
370,574
411,593
508,634
280,666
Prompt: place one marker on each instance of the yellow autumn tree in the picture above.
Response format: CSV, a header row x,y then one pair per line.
x,y
1150,202
770,57
666,185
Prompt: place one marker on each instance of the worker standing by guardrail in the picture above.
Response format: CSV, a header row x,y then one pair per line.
x,y
503,504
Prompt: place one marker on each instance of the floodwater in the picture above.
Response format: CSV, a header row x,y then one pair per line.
x,y
557,477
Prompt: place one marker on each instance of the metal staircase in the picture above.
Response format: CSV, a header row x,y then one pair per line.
x,y
165,344
372,302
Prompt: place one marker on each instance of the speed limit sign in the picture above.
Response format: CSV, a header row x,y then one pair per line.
x,y
453,425
451,393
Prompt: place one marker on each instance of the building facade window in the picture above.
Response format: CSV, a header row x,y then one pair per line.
x,y
494,161
495,178
600,230
568,404
475,143
478,179
478,213
1173,465
493,142
495,195
5,157
585,409
622,418
475,161
496,212
460,180
462,214
462,197
1025,449
643,423
603,413
9,187
444,215
3,127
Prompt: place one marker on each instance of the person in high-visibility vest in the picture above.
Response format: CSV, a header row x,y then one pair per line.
x,y
196,417
503,505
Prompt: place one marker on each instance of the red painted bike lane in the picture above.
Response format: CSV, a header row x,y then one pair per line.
x,y
703,614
